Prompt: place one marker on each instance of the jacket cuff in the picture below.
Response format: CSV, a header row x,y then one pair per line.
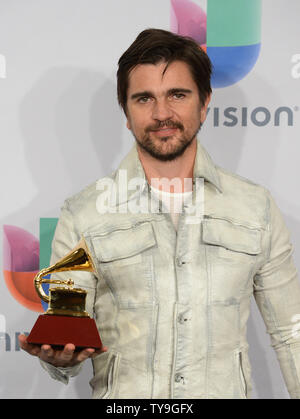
x,y
59,373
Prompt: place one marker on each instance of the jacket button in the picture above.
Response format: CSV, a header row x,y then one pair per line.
x,y
181,319
179,378
179,262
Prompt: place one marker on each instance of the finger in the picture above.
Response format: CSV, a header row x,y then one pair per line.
x,y
23,342
28,347
99,351
67,353
47,353
83,355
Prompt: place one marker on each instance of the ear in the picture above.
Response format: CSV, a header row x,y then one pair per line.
x,y
128,124
204,108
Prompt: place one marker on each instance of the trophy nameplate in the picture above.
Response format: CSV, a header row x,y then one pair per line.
x,y
66,320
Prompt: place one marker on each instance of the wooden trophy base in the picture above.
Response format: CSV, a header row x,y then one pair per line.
x,y
57,331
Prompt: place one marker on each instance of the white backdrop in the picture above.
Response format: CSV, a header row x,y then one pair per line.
x,y
61,129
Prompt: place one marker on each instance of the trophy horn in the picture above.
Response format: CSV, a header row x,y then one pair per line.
x,y
78,259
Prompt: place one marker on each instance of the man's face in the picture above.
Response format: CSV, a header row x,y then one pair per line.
x,y
163,109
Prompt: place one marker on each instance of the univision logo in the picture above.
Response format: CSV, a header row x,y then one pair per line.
x,y
23,256
229,31
244,116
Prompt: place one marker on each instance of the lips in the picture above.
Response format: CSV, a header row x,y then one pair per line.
x,y
165,131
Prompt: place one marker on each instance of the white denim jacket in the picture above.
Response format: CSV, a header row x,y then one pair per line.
x,y
172,307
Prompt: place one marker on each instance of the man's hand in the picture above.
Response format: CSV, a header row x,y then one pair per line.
x,y
67,357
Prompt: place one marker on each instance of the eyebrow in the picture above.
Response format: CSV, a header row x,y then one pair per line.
x,y
169,92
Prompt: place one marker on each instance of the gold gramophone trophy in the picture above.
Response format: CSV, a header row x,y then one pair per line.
x,y
66,320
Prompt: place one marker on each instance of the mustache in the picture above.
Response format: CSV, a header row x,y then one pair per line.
x,y
165,124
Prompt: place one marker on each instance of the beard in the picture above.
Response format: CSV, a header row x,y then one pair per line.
x,y
174,150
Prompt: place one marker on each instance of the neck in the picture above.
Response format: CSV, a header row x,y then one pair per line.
x,y
174,172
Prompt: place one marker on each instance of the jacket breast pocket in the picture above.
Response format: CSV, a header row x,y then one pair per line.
x,y
125,257
232,251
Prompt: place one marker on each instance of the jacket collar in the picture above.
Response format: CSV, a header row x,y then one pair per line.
x,y
130,173
205,168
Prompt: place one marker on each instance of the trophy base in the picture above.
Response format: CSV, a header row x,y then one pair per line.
x,y
57,331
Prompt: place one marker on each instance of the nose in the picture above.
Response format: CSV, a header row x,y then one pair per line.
x,y
161,110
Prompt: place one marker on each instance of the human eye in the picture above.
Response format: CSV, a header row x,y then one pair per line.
x,y
144,99
178,95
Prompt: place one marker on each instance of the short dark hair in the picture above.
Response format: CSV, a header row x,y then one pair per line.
x,y
155,45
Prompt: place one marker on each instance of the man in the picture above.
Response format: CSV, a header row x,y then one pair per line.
x,y
171,295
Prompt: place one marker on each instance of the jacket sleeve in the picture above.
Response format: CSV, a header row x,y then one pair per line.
x,y
277,293
65,239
